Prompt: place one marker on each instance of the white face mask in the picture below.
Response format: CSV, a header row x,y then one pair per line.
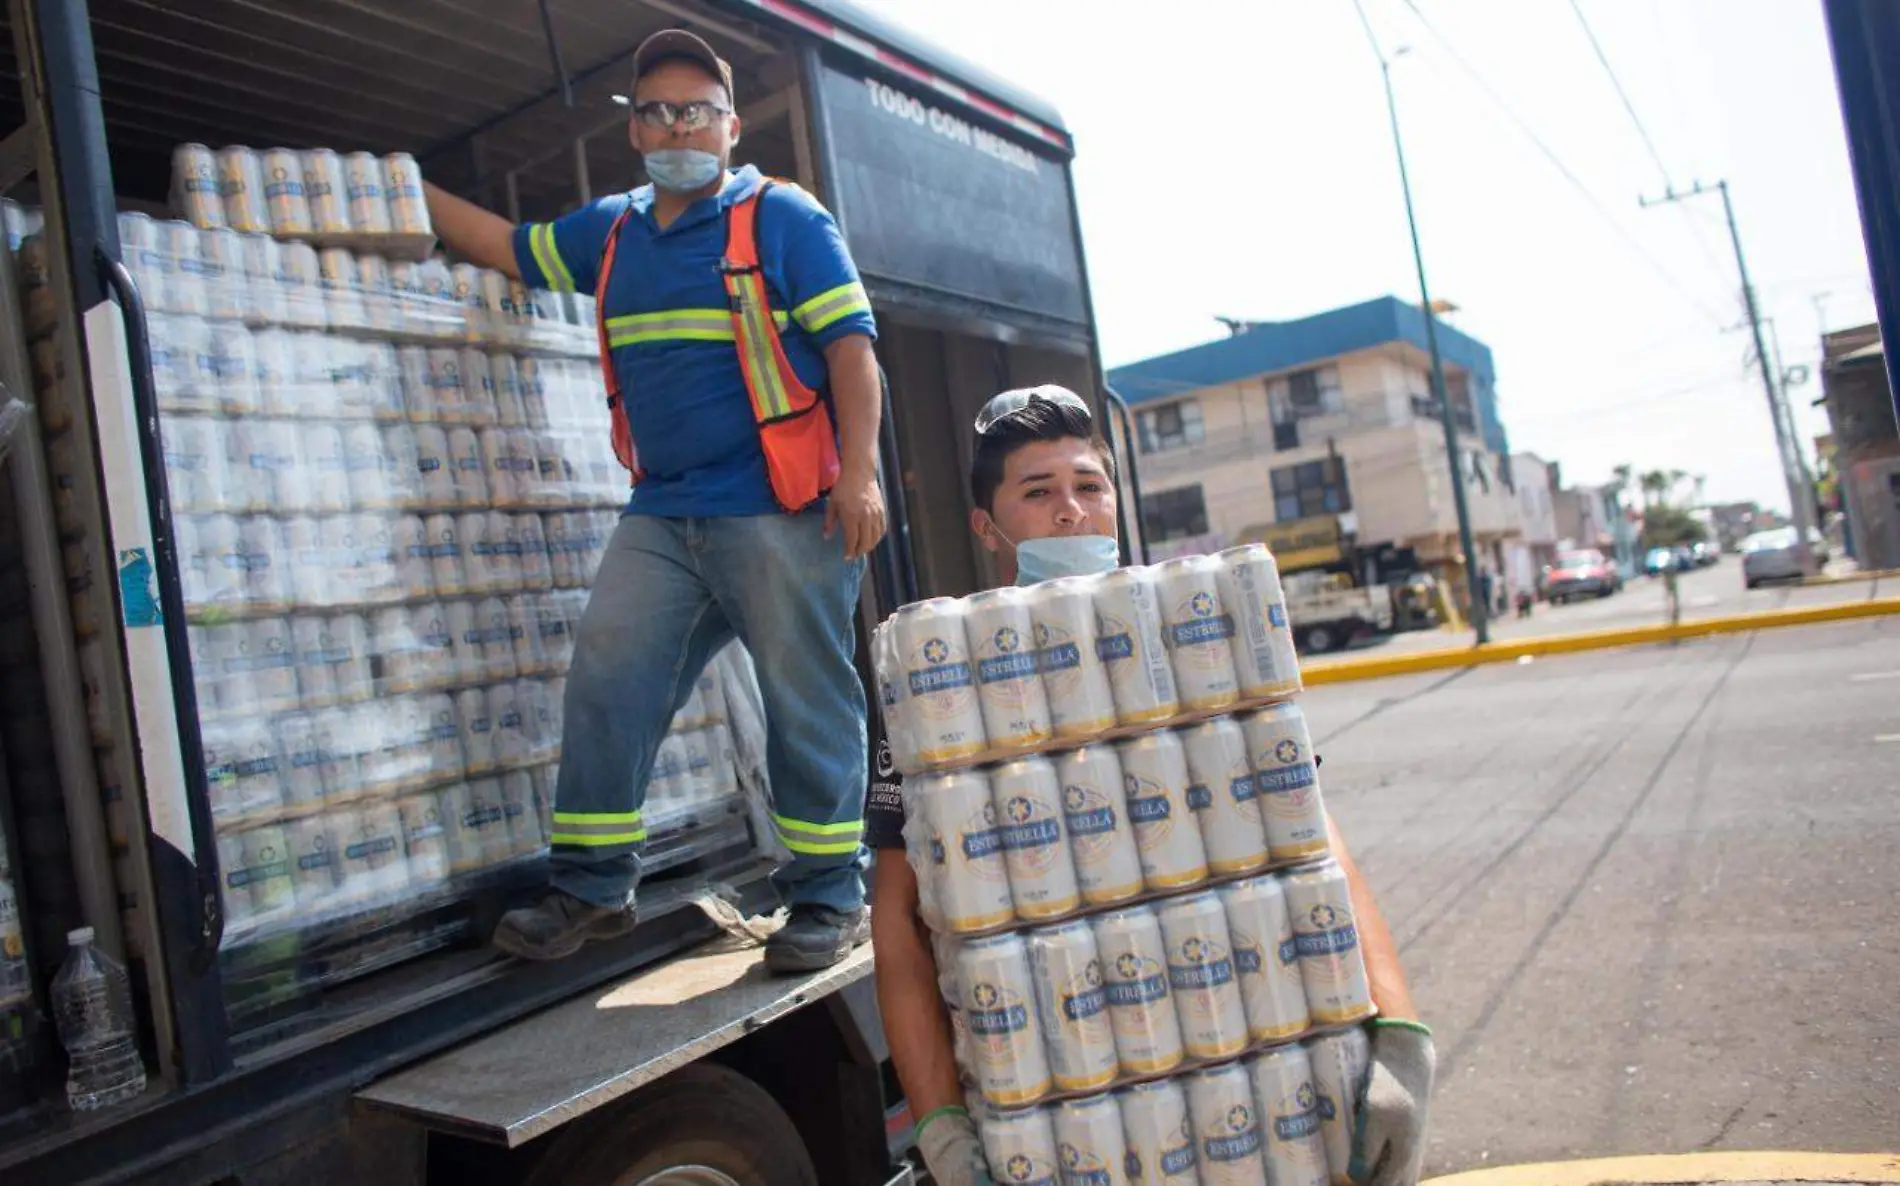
x,y
1062,556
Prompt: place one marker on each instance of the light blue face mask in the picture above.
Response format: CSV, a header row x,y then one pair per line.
x,y
1065,556
682,170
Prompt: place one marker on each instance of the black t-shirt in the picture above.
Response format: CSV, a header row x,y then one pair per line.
x,y
884,801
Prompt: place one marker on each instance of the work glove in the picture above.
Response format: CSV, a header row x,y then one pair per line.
x,y
952,1153
1388,1146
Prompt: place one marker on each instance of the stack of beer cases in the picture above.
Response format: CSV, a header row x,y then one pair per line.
x,y
1114,814
390,484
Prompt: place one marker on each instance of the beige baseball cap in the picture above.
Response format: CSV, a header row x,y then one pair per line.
x,y
678,43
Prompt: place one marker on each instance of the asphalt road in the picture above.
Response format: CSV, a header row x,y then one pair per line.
x,y
1706,592
1649,899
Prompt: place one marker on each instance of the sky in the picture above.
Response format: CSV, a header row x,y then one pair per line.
x,y
1234,159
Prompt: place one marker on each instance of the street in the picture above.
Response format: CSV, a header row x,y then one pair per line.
x,y
1647,897
1706,592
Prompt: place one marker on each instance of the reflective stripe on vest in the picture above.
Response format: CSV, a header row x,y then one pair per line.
x,y
795,431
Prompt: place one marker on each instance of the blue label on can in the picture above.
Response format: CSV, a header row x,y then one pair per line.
x,y
1148,811
1287,778
1085,1004
1178,1160
978,845
1289,952
1060,657
1006,667
1233,1148
1208,975
939,679
1034,834
990,1023
1330,942
1297,1126
1243,788
1201,630
1115,646
1199,797
1276,614
1094,822
1248,960
1136,992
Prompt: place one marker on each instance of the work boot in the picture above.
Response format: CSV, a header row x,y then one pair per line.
x,y
556,926
816,937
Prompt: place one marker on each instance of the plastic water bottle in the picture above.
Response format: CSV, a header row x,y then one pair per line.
x,y
92,1001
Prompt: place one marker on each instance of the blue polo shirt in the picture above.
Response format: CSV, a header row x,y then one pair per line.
x,y
671,336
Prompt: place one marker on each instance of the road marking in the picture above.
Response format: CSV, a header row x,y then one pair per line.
x,y
1868,677
1667,1170
1885,738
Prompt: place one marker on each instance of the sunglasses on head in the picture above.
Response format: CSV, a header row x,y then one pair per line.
x,y
1014,403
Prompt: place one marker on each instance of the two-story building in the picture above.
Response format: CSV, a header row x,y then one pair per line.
x,y
1320,436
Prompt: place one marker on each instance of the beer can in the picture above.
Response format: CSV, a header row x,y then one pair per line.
x,y
1202,976
471,532
1228,1142
447,395
998,999
241,187
350,657
234,884
311,390
197,474
181,257
277,394
1291,1118
266,573
536,572
1074,677
666,780
446,563
1073,1005
1155,780
1267,958
556,636
969,877
440,316
435,468
379,296
328,464
443,736
1332,965
553,388
513,724
327,191
465,288
266,873
552,478
402,184
485,822
273,665
1029,818
363,194
524,819
466,638
342,289
256,768
227,285
1095,813
195,190
139,246
893,697
478,387
504,552
1199,633
525,633
235,362
935,657
1002,642
1264,660
316,664
475,729
309,562
302,276
425,839
1128,639
435,648
303,757
419,396
196,385
1020,1147
396,651
470,473
374,866
498,648
1160,1138
1222,794
174,367
1141,1009
701,786
365,475
504,375
1287,780
1340,1064
1090,1143
497,301
264,270
194,566
314,866
285,199
219,542
400,463
376,554
384,376
504,489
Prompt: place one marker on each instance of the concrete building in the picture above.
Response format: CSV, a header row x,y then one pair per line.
x,y
1536,545
1320,437
1854,386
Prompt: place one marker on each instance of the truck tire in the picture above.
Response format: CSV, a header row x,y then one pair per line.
x,y
702,1125
1320,639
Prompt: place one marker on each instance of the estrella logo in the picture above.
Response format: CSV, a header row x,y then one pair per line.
x,y
1147,803
1041,631
1194,951
936,650
984,995
1287,750
1323,916
1199,797
1234,1137
1201,604
1007,640
1304,1120
1022,1170
1080,1168
1239,1118
1247,956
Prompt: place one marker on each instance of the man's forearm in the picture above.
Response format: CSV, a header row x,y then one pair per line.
x,y
916,1024
484,237
857,398
1383,972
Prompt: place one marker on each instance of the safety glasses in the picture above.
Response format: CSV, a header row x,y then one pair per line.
x,y
692,116
1012,403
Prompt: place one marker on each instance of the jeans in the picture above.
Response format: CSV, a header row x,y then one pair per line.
x,y
669,593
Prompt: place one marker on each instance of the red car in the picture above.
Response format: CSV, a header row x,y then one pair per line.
x,y
1581,573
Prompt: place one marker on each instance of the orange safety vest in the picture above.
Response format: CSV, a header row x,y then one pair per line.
x,y
801,450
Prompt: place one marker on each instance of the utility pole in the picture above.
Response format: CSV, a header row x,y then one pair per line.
x,y
1800,497
1480,608
1787,408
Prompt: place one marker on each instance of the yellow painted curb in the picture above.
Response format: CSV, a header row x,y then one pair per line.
x,y
1670,1169
1379,667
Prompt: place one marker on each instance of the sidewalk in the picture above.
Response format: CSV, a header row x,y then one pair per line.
x,y
1774,1168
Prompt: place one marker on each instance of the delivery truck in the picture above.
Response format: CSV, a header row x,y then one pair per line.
x,y
279,699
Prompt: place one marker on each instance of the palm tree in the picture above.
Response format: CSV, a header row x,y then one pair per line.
x,y
1655,484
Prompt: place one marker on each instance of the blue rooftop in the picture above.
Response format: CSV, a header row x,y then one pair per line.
x,y
1272,346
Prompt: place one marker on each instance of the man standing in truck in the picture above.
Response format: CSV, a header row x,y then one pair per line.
x,y
733,328
1043,482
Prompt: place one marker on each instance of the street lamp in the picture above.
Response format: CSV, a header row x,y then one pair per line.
x,y
1480,609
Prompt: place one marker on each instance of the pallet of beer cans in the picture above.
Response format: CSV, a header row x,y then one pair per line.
x,y
355,200
1113,810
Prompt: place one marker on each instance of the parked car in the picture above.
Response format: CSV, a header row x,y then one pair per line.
x,y
1705,554
1773,555
1579,574
1659,561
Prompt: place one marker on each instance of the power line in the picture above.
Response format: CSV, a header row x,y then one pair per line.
x,y
1695,230
1557,162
